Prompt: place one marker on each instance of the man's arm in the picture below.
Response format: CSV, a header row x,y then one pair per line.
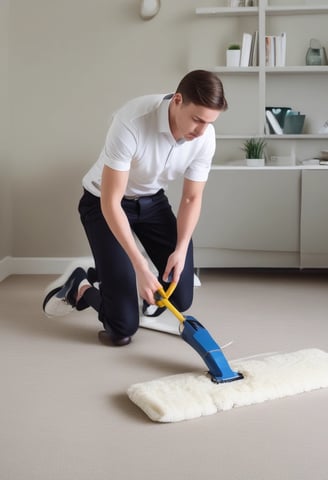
x,y
187,219
113,186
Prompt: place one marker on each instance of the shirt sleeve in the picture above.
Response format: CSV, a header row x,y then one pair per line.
x,y
120,146
199,168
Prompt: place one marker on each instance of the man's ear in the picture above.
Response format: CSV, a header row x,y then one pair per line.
x,y
177,98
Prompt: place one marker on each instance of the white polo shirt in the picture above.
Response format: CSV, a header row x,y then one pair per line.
x,y
140,141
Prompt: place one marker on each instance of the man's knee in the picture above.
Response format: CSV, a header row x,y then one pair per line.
x,y
184,301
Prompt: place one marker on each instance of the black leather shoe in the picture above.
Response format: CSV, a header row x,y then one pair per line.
x,y
109,340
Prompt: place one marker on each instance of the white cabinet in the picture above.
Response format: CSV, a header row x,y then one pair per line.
x,y
251,210
266,217
250,217
314,219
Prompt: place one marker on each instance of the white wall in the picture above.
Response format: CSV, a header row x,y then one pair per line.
x,y
72,62
5,174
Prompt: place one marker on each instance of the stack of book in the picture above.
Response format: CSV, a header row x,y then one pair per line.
x,y
275,50
321,160
249,55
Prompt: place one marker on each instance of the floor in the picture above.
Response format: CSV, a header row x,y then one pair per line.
x,y
65,414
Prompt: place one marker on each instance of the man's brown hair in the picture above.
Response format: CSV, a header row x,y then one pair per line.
x,y
203,88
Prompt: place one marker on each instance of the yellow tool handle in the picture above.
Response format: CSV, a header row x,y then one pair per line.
x,y
164,301
170,290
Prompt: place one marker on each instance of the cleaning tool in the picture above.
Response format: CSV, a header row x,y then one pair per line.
x,y
200,339
244,382
166,322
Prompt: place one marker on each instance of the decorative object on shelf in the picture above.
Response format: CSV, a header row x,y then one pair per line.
x,y
294,123
149,8
237,3
233,55
275,118
324,157
284,120
242,3
254,152
316,54
324,128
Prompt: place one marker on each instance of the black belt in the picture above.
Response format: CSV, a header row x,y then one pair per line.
x,y
134,198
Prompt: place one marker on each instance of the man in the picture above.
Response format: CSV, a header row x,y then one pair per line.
x,y
151,141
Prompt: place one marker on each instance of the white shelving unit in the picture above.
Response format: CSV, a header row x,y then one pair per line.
x,y
272,86
295,10
227,11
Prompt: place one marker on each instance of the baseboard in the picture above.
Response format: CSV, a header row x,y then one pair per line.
x,y
47,266
36,265
58,265
5,268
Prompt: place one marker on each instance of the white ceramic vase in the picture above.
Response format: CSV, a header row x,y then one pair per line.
x,y
255,162
233,58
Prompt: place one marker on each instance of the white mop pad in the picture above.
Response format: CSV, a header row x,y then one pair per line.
x,y
190,395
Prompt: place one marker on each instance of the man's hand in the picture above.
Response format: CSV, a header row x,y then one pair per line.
x,y
148,284
174,267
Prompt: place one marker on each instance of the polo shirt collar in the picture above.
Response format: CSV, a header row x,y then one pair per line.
x,y
163,115
163,119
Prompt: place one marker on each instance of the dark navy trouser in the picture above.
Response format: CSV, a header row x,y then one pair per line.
x,y
152,220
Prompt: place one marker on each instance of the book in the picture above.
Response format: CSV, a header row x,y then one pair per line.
x,y
269,51
275,50
310,161
280,50
273,122
283,48
245,50
254,55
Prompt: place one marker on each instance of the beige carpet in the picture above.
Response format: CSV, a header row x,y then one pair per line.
x,y
65,414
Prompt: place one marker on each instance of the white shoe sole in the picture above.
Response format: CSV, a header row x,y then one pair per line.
x,y
57,307
54,306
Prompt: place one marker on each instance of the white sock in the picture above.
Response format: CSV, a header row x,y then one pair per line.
x,y
84,282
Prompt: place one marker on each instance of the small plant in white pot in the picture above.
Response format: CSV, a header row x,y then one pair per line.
x,y
254,152
233,55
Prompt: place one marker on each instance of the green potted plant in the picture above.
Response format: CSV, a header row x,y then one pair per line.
x,y
254,151
233,55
